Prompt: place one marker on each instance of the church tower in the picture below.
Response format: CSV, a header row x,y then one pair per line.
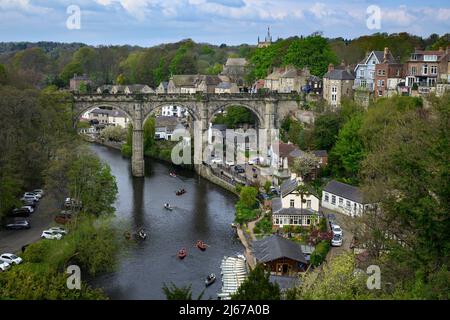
x,y
267,40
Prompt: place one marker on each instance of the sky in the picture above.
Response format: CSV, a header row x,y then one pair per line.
x,y
151,22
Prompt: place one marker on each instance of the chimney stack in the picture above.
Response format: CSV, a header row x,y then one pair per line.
x,y
386,54
330,67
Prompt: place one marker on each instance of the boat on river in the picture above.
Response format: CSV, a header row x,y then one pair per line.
x,y
168,207
201,245
210,279
180,192
173,175
182,253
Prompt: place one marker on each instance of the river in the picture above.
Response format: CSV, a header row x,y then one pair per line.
x,y
205,212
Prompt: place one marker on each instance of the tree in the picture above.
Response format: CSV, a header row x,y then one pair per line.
x,y
149,134
347,154
114,133
120,80
3,75
173,292
248,197
69,71
313,52
258,287
305,164
326,129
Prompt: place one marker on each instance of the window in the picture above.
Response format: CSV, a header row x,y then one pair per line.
x,y
425,69
433,69
333,199
382,83
327,197
363,83
379,72
292,203
341,202
383,72
347,204
413,71
361,73
308,204
379,83
277,221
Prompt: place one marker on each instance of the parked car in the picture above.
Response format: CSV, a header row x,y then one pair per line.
x,y
10,258
336,230
336,241
72,203
51,235
32,194
229,163
20,213
239,169
58,230
216,161
29,208
30,198
275,191
4,266
39,191
30,203
18,225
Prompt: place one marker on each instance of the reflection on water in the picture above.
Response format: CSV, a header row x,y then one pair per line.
x,y
205,212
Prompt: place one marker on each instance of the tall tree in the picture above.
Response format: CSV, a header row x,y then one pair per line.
x,y
258,287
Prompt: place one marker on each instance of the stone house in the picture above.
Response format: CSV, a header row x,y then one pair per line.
x,y
182,84
77,80
138,88
226,87
337,83
235,69
293,80
272,81
162,88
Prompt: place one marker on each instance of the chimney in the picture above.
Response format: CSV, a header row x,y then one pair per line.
x,y
330,67
386,54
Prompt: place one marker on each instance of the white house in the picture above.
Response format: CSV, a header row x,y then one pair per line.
x,y
343,198
118,118
174,111
293,208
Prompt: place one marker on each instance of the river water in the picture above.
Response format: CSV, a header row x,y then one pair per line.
x,y
205,212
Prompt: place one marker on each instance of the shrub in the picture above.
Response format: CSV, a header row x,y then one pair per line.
x,y
320,253
264,226
126,150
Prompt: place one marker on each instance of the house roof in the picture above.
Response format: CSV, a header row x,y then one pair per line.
x,y
320,153
286,148
187,80
164,84
209,80
275,247
241,62
224,85
111,113
294,72
339,74
288,186
344,190
166,121
277,209
138,87
83,77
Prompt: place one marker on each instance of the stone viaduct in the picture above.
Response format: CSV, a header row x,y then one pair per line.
x,y
269,110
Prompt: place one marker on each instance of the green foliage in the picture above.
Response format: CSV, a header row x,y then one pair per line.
x,y
247,204
114,133
173,292
91,181
258,287
215,69
3,75
267,186
235,116
326,129
69,70
120,80
320,253
264,226
313,52
149,134
248,197
349,151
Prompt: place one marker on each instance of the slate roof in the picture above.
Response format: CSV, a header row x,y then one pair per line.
x,y
344,190
320,153
275,247
288,186
338,74
166,121
224,85
164,84
277,209
138,87
184,80
285,149
112,113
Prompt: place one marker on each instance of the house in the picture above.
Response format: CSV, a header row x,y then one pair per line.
x,y
182,84
280,256
322,156
314,85
267,40
343,198
258,85
294,208
280,160
165,126
162,88
206,83
226,87
118,118
118,89
138,88
76,82
425,68
101,115
365,70
272,81
388,75
293,79
337,83
174,111
235,69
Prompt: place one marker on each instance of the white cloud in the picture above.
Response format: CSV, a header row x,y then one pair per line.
x,y
22,6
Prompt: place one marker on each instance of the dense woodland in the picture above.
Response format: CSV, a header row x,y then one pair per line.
x,y
43,63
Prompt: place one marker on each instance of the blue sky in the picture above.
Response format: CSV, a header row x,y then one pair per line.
x,y
151,22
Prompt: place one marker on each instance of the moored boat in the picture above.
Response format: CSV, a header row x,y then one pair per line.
x,y
182,253
210,279
201,245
